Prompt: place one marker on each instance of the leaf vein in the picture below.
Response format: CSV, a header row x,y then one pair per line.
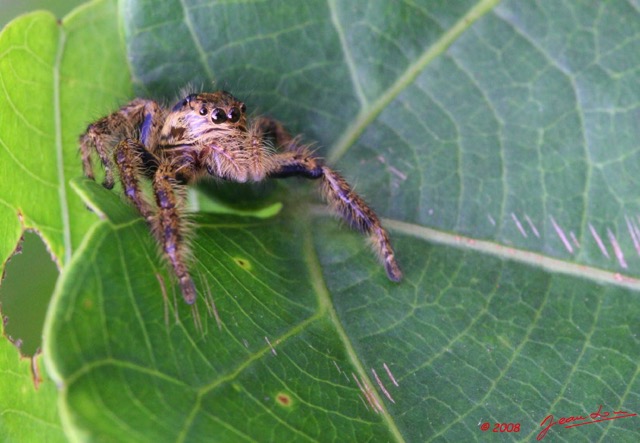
x,y
346,51
367,115
326,308
194,35
62,183
532,258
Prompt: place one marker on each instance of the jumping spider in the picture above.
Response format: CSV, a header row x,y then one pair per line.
x,y
209,134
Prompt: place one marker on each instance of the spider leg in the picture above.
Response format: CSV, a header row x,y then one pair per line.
x,y
128,156
296,160
169,227
145,115
96,137
341,198
273,131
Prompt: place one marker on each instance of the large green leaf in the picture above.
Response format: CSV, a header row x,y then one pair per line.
x,y
55,79
501,146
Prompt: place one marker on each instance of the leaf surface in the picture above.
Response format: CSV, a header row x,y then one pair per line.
x,y
55,79
29,413
500,144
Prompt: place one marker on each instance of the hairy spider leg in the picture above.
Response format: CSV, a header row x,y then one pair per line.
x,y
128,156
119,124
170,229
133,159
275,132
358,214
296,160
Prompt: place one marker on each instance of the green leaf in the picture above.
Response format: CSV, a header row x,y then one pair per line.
x,y
54,79
28,403
149,360
500,144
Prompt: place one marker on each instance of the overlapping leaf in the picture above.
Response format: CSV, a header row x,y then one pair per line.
x,y
506,165
54,78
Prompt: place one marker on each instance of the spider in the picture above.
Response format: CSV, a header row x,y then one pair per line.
x,y
208,134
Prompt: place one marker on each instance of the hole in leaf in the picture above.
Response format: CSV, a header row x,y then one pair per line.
x,y
30,277
243,263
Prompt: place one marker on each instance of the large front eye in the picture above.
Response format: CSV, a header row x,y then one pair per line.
x,y
234,115
218,116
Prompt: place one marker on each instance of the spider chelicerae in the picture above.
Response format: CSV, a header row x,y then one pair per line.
x,y
208,134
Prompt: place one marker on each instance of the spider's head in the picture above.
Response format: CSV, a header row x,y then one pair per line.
x,y
218,108
204,115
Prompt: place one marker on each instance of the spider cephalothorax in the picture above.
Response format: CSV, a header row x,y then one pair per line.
x,y
209,134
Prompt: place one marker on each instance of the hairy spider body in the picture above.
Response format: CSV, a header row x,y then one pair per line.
x,y
208,134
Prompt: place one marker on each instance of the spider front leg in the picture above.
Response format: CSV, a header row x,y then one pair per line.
x,y
128,158
342,199
169,227
145,115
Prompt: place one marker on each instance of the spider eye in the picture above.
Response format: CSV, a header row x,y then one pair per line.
x,y
243,108
234,115
203,111
218,116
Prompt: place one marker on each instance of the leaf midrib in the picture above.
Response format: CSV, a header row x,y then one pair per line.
x,y
582,271
326,307
57,119
368,114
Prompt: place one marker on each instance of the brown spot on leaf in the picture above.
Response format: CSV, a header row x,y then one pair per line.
x,y
35,370
243,263
283,399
